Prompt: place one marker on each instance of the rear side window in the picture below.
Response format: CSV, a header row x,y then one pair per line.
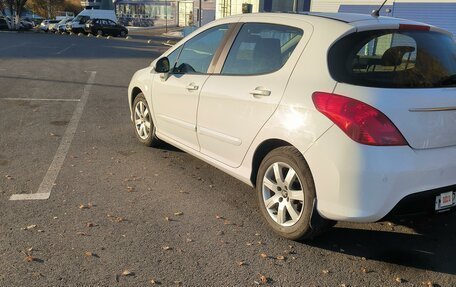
x,y
394,59
261,48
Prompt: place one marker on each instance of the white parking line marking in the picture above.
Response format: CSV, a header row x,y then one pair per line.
x,y
44,191
32,99
14,46
66,49
30,196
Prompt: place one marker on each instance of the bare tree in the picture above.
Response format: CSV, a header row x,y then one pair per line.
x,y
15,8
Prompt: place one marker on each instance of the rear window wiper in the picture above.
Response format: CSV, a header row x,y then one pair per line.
x,y
448,81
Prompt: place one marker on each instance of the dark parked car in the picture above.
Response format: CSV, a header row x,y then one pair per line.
x,y
105,27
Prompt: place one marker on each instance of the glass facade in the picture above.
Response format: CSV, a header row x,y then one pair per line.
x,y
146,13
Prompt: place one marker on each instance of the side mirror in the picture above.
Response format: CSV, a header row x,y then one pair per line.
x,y
162,65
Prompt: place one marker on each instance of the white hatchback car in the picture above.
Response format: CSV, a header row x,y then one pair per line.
x,y
332,117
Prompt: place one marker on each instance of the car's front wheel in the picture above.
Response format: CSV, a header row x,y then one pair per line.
x,y
286,195
143,123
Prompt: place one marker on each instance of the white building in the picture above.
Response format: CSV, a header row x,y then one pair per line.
x,y
439,13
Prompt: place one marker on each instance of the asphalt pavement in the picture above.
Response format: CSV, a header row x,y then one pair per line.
x,y
122,214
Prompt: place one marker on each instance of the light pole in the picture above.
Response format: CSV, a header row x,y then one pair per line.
x,y
166,16
200,12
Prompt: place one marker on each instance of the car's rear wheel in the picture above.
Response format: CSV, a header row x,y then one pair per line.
x,y
100,32
143,123
286,195
123,34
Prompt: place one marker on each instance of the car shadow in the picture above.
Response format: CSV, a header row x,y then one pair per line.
x,y
431,247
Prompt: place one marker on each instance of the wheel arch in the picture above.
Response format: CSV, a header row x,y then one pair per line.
x,y
134,93
261,151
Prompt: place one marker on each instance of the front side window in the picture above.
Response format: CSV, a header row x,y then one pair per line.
x,y
261,48
172,57
394,59
197,53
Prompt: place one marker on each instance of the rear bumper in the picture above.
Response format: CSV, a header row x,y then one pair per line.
x,y
419,204
363,183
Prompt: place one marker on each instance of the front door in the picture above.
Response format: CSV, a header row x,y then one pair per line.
x,y
175,98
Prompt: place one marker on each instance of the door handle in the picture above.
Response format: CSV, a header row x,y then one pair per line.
x,y
260,92
192,87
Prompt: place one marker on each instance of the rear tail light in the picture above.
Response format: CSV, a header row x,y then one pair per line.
x,y
361,122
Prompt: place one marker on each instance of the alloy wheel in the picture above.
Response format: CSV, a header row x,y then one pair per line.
x,y
283,194
143,121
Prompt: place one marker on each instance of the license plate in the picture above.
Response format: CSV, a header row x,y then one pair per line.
x,y
445,200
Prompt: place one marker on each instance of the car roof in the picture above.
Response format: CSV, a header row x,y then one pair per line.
x,y
358,21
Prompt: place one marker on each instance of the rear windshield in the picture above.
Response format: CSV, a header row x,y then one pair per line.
x,y
394,59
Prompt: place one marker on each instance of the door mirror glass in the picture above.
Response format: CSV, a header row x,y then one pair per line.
x,y
162,65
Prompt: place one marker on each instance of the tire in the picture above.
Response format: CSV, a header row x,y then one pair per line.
x,y
142,122
122,34
100,32
292,195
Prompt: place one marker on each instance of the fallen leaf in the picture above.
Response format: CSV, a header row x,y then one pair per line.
x,y
116,218
221,232
130,189
263,279
179,213
127,273
167,248
30,226
168,219
264,255
9,177
280,257
241,263
182,191
325,271
30,249
82,206
29,258
249,244
177,282
399,280
154,281
82,233
90,224
189,240
227,222
88,254
40,231
219,217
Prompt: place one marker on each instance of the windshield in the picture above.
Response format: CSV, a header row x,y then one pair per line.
x,y
395,59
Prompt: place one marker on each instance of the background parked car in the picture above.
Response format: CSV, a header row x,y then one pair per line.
x,y
60,26
3,24
44,26
105,27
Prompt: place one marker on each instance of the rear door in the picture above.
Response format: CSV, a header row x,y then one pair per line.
x,y
408,74
238,101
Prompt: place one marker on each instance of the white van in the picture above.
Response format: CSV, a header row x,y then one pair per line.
x,y
77,25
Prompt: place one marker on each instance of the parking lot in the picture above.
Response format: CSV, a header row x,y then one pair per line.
x,y
120,214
